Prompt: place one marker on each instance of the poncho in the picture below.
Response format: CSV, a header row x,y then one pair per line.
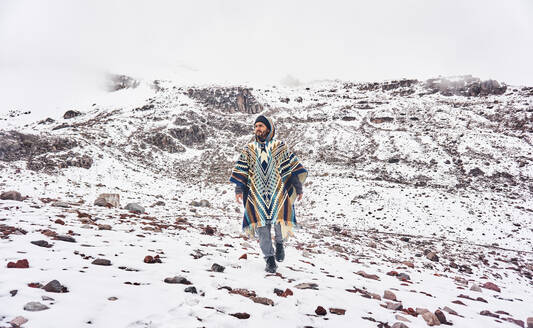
x,y
263,171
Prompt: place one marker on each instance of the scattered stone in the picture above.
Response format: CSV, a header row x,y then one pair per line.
x,y
491,286
108,200
112,298
388,295
431,319
70,114
408,264
135,208
65,238
307,285
11,195
372,244
177,280
191,289
217,268
55,286
61,204
394,306
103,262
403,276
262,300
18,321
104,227
13,292
475,288
399,325
367,275
209,231
59,221
202,203
46,298
432,256
530,322
243,257
159,203
440,315
20,264
320,310
450,311
489,314
401,318
240,315
35,306
337,311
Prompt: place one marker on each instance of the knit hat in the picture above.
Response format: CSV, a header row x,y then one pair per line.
x,y
263,120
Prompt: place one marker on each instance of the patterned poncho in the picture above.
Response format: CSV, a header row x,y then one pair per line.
x,y
263,171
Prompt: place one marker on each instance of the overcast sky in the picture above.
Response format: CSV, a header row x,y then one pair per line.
x,y
60,43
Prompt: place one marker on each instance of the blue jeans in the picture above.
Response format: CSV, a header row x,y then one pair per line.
x,y
265,238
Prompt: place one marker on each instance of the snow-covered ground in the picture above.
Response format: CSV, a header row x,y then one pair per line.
x,y
392,192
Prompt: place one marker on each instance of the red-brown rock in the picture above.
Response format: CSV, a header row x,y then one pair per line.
x,y
320,310
59,221
337,311
491,286
243,257
20,264
240,315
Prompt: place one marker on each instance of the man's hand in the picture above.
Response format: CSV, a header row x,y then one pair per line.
x,y
300,197
238,198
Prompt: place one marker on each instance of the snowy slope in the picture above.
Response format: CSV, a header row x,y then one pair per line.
x,y
398,173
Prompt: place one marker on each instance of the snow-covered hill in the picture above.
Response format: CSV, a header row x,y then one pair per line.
x,y
418,193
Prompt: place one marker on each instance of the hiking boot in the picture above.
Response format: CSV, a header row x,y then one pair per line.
x,y
280,252
271,265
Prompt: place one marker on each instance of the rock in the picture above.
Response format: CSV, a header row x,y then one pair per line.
x,y
70,114
35,306
432,256
103,262
399,325
243,257
401,318
394,306
110,200
104,227
150,259
202,203
440,315
409,264
337,311
65,238
191,289
372,244
489,314
421,310
240,315
475,288
61,204
388,295
55,286
450,311
209,231
367,275
431,319
18,321
306,285
320,310
112,298
20,264
262,300
217,268
177,280
135,207
59,221
13,292
159,203
11,195
47,298
530,322
491,286
403,276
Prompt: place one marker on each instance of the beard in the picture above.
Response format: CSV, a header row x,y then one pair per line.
x,y
262,135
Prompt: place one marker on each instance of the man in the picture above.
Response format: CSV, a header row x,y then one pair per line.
x,y
268,178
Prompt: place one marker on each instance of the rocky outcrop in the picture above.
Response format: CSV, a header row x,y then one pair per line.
x,y
229,100
465,86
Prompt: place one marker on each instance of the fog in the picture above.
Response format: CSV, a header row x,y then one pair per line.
x,y
57,53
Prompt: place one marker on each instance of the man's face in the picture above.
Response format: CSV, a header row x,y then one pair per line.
x,y
261,130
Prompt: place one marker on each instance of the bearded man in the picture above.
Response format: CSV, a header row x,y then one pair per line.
x,y
268,178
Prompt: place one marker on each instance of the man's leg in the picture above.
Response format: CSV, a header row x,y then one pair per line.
x,y
280,252
265,242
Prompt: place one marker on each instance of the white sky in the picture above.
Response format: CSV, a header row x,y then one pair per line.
x,y
57,50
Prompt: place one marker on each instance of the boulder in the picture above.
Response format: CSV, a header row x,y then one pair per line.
x,y
35,306
11,195
55,286
431,319
111,200
135,207
70,114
